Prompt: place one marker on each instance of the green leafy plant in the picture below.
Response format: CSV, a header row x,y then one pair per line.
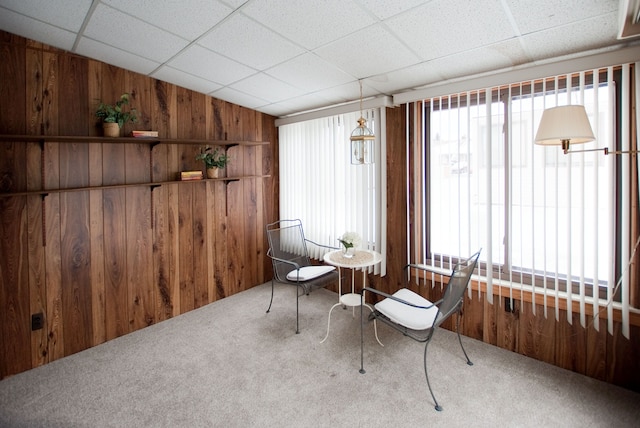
x,y
117,113
216,159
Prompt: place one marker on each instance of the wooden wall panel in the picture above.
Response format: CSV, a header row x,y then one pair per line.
x,y
200,237
141,297
185,242
75,248
14,280
115,266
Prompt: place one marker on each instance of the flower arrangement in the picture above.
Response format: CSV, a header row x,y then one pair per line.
x,y
350,240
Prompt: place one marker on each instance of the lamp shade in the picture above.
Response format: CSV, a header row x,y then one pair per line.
x,y
563,125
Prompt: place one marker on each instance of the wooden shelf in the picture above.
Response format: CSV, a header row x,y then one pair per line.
x,y
152,141
125,140
154,184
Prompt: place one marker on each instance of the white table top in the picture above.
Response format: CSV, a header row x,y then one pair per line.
x,y
361,259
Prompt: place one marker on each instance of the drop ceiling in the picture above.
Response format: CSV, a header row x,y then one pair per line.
x,y
284,57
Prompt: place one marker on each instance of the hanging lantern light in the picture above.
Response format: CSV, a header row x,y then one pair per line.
x,y
362,140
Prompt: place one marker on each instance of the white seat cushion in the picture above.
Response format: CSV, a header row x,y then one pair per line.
x,y
408,316
306,273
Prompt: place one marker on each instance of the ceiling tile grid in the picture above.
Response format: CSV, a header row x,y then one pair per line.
x,y
285,57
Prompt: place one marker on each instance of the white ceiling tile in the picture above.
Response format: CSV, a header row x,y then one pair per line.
x,y
445,27
309,72
409,77
384,9
92,49
583,36
266,87
537,15
185,80
298,105
122,31
249,43
237,97
188,19
495,57
66,14
377,52
209,65
36,30
310,23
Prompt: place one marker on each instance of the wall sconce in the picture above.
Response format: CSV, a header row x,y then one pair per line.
x,y
362,140
563,125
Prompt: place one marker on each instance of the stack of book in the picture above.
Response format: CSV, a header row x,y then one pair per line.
x,y
144,134
191,175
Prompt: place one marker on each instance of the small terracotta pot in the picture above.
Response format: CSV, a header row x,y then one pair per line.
x,y
111,129
213,172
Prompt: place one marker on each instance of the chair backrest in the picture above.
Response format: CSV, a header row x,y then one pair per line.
x,y
454,293
287,242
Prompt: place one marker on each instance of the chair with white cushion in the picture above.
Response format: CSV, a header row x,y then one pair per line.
x,y
291,261
418,318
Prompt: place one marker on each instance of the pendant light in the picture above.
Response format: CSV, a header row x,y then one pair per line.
x,y
362,140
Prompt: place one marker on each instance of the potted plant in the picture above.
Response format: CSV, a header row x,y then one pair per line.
x,y
115,116
213,160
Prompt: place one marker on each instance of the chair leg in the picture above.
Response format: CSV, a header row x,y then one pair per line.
x,y
362,371
270,301
297,307
460,340
426,346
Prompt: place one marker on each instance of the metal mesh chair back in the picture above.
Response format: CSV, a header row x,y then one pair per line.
x,y
454,293
287,242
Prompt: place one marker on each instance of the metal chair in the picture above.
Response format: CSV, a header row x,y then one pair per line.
x,y
291,261
418,318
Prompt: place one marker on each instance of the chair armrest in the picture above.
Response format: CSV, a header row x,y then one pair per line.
x,y
289,262
389,296
427,268
321,245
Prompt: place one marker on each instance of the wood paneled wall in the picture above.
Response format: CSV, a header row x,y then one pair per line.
x,y
105,262
525,330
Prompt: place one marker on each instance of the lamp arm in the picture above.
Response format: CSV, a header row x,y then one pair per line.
x,y
605,150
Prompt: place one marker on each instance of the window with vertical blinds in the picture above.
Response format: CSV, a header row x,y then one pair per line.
x,y
320,186
550,224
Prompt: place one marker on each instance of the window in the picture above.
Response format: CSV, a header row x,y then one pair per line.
x,y
545,220
320,186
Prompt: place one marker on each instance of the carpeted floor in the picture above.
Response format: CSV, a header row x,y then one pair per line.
x,y
230,364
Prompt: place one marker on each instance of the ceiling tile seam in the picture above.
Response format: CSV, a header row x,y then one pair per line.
x,y
83,27
402,42
190,43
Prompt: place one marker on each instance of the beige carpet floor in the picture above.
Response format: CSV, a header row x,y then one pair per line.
x,y
230,364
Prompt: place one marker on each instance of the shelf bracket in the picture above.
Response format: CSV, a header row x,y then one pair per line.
x,y
44,218
226,192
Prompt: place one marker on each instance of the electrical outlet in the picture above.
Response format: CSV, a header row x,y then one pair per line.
x,y
37,321
509,305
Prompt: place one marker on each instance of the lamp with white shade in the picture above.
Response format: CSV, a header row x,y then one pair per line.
x,y
566,125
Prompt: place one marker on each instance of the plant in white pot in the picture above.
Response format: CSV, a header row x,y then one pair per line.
x,y
213,161
115,116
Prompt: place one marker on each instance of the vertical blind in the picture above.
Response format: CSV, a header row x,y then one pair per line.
x,y
546,221
320,186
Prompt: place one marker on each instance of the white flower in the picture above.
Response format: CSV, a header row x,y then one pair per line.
x,y
350,239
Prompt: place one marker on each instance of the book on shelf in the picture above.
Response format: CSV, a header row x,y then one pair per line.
x,y
191,175
144,134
